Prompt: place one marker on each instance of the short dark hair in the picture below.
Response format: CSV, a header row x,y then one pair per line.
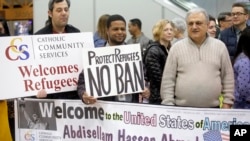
x,y
115,18
51,7
241,4
51,3
136,22
211,18
222,16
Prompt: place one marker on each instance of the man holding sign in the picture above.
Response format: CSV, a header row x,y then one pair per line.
x,y
116,31
58,23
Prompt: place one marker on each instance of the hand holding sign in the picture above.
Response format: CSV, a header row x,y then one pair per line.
x,y
88,99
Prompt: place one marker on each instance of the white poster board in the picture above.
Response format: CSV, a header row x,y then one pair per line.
x,y
113,70
32,63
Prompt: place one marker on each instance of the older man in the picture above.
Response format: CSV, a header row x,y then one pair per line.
x,y
198,68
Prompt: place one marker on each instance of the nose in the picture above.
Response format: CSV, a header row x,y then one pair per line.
x,y
64,11
194,25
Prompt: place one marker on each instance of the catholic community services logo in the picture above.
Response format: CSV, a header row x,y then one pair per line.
x,y
16,52
29,136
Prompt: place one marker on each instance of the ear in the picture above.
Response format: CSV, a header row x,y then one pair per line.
x,y
107,32
50,14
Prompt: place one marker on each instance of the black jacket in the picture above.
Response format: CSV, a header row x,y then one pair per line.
x,y
154,62
229,37
49,30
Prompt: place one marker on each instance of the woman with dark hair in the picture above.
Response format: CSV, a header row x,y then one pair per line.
x,y
212,27
242,72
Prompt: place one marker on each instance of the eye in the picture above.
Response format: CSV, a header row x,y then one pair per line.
x,y
199,23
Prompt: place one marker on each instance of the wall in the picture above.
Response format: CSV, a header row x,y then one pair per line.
x,y
84,14
214,7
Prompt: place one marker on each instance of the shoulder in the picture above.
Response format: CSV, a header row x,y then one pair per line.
x,y
151,49
184,43
153,46
44,30
129,41
215,41
242,60
71,29
144,37
227,31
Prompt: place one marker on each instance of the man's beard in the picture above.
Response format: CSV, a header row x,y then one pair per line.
x,y
115,42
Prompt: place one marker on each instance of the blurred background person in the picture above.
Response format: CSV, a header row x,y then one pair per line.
x,y
134,28
180,28
212,27
100,36
231,35
242,72
247,2
155,58
224,20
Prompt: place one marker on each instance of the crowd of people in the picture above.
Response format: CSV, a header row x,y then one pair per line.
x,y
189,62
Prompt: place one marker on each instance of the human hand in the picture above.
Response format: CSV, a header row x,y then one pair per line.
x,y
41,94
226,106
146,93
88,99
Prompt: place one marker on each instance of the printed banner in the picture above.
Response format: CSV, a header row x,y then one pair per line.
x,y
58,120
115,70
32,63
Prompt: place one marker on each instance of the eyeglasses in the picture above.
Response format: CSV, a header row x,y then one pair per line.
x,y
237,14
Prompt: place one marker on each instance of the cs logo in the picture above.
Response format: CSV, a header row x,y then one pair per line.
x,y
14,52
28,136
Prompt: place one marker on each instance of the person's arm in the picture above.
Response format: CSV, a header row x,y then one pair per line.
x,y
26,116
169,79
242,78
154,73
227,79
81,91
146,92
243,75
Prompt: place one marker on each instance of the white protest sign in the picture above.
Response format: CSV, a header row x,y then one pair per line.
x,y
113,70
32,63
